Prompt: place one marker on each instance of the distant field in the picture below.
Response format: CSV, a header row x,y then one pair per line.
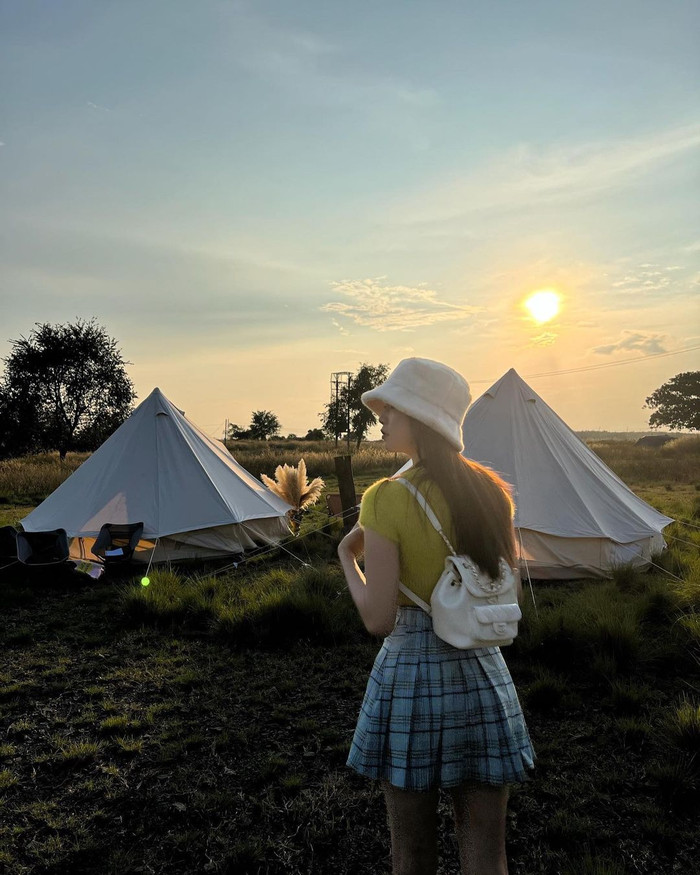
x,y
26,481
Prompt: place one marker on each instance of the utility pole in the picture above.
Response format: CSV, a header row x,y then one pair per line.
x,y
340,385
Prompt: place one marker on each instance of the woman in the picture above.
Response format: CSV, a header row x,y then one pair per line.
x,y
433,716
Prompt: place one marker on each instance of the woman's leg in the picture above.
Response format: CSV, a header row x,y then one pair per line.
x,y
480,820
413,823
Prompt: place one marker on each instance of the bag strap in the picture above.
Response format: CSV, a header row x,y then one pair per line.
x,y
420,498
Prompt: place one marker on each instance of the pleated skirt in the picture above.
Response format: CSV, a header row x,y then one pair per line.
x,y
435,716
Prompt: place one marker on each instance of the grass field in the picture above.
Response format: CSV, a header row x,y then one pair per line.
x,y
202,724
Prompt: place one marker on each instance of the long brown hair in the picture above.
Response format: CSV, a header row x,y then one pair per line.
x,y
479,500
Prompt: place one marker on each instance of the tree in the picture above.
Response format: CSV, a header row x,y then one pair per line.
x,y
678,402
236,433
263,425
336,416
348,410
66,386
361,417
314,434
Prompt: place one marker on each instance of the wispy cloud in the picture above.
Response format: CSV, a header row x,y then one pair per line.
x,y
531,174
649,278
383,307
649,344
547,338
341,328
311,66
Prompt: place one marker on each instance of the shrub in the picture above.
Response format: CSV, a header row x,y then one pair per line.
x,y
627,578
659,603
691,623
688,589
628,698
619,638
683,726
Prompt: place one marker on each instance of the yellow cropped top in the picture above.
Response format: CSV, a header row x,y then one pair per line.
x,y
389,509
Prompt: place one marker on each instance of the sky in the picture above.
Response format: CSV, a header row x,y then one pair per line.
x,y
250,196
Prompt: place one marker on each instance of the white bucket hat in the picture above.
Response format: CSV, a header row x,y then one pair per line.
x,y
428,391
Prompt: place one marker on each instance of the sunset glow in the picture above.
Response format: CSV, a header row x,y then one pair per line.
x,y
309,192
543,306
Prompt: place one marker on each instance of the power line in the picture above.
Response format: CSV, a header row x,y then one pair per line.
x,y
640,358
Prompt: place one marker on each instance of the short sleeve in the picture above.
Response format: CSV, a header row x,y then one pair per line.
x,y
379,509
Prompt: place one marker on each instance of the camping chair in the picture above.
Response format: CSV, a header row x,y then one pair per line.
x,y
8,545
42,548
116,542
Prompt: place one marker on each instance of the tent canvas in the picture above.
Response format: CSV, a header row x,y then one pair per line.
x,y
574,517
194,499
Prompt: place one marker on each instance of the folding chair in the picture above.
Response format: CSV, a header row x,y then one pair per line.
x,y
116,542
42,548
8,545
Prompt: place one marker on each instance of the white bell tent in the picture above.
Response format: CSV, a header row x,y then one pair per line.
x,y
574,516
158,468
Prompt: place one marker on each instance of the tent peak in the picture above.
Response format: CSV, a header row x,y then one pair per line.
x,y
511,381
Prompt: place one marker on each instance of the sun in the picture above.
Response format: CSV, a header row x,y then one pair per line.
x,y
543,305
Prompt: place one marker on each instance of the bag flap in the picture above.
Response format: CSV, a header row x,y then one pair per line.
x,y
498,613
478,583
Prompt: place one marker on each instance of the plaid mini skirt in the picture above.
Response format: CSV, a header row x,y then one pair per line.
x,y
435,716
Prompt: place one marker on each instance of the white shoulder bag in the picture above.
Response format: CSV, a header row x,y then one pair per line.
x,y
468,608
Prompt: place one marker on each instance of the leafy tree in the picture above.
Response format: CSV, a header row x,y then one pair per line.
x,y
20,427
361,417
65,387
677,402
236,433
263,425
335,418
314,434
348,409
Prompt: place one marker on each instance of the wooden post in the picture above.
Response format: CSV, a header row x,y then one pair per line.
x,y
346,487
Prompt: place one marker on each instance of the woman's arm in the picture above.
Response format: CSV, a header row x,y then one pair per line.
x,y
375,592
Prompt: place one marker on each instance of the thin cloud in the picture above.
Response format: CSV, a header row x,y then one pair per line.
x,y
547,338
651,279
556,175
310,66
383,307
649,344
341,328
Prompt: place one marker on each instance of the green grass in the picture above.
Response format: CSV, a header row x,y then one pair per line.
x,y
684,727
203,723
270,609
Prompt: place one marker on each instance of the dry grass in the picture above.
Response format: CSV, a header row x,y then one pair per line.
x,y
29,479
292,485
32,478
674,463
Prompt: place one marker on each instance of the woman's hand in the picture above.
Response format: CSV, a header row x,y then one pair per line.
x,y
353,544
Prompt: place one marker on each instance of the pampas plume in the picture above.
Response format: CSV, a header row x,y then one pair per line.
x,y
291,485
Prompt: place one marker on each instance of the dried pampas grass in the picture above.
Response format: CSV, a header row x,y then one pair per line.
x,y
291,485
